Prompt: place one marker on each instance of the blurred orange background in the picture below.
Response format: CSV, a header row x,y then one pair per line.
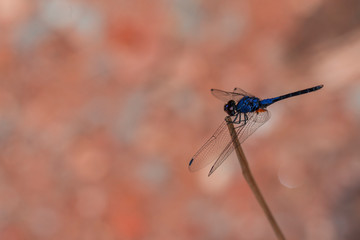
x,y
103,104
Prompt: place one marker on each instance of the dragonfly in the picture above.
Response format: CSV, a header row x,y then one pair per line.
x,y
247,113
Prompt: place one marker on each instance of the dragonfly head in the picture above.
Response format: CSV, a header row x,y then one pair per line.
x,y
230,108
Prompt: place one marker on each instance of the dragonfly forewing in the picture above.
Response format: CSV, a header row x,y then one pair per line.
x,y
256,120
211,150
243,130
242,92
226,96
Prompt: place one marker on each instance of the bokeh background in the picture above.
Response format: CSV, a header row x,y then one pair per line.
x,y
103,104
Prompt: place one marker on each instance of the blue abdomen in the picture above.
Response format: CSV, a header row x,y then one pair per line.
x,y
267,101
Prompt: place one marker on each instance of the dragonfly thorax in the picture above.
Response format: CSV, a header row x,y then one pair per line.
x,y
230,108
248,104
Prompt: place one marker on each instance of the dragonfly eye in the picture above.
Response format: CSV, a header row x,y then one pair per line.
x,y
229,108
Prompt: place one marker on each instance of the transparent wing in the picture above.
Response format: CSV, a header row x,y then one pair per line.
x,y
257,120
227,150
242,92
227,96
243,131
211,150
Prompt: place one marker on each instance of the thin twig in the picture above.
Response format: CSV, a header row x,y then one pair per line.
x,y
251,181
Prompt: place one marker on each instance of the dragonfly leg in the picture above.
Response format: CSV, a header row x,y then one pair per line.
x,y
246,118
234,121
243,122
239,121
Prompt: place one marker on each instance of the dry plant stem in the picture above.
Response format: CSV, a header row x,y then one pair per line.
x,y
251,181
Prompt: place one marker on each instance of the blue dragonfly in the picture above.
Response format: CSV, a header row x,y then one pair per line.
x,y
248,113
